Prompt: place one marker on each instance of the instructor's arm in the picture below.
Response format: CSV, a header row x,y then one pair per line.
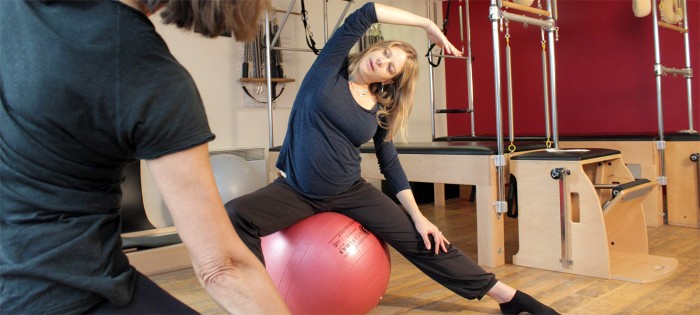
x,y
228,271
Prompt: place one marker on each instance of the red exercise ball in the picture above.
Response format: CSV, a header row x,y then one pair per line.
x,y
328,264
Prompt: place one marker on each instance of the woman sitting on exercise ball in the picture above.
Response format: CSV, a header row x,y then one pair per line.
x,y
342,103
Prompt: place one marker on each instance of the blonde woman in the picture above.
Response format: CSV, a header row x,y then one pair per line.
x,y
342,103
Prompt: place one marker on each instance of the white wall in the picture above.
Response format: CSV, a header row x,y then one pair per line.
x,y
215,66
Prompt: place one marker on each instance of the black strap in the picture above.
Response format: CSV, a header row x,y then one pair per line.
x,y
309,36
445,23
274,97
512,198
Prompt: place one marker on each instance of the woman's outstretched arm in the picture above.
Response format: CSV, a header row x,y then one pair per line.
x,y
392,15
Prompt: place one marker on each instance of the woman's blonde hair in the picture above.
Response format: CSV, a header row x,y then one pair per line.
x,y
213,18
395,99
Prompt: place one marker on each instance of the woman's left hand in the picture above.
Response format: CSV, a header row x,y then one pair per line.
x,y
425,228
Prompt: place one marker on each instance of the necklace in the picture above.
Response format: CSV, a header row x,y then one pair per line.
x,y
362,92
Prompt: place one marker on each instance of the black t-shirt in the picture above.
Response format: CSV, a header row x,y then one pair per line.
x,y
86,87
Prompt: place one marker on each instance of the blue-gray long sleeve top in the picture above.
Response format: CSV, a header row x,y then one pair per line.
x,y
321,151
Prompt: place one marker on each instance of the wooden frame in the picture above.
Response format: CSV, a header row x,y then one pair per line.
x,y
608,242
642,153
477,170
161,259
521,7
682,190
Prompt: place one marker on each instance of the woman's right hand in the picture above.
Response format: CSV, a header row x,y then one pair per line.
x,y
392,15
436,36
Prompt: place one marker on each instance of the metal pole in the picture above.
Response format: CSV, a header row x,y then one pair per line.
x,y
325,21
528,20
509,79
658,71
545,83
688,78
495,17
268,76
431,80
470,82
552,74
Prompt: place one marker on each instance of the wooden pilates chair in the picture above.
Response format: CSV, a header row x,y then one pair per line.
x,y
580,212
150,249
683,176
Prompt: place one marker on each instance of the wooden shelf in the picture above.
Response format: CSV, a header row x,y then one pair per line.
x,y
264,80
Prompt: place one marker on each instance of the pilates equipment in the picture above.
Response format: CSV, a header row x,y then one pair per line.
x,y
660,70
234,176
671,11
272,44
580,213
464,24
148,236
328,264
526,3
462,163
150,249
254,64
432,11
641,8
640,155
547,21
683,188
372,36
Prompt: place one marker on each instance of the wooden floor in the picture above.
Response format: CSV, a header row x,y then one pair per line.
x,y
411,292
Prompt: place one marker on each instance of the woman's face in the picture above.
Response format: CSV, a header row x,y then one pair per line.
x,y
381,65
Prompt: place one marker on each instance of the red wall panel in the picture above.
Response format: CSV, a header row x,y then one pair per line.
x,y
605,78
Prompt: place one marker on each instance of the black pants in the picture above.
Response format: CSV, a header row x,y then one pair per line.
x,y
278,206
148,298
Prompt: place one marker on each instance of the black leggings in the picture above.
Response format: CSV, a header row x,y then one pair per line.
x,y
148,298
278,206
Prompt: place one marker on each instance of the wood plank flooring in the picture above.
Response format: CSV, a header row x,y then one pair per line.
x,y
411,292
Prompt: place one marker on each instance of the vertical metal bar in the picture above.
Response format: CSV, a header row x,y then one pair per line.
x,y
562,222
553,75
470,82
325,21
545,82
268,76
509,79
431,78
461,25
686,38
495,17
560,175
659,108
